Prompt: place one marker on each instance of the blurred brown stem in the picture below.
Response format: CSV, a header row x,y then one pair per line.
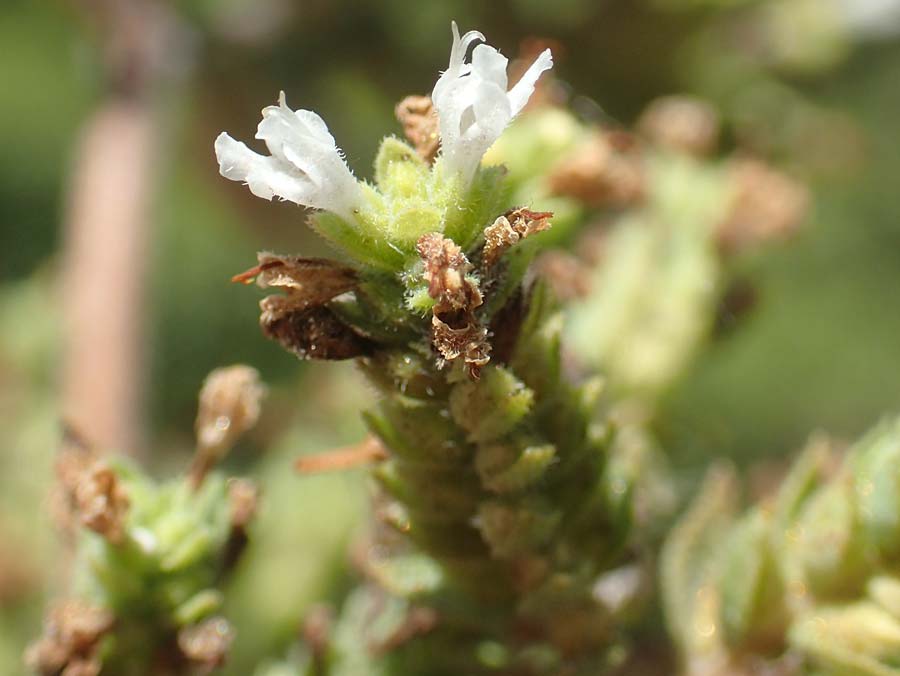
x,y
106,230
103,273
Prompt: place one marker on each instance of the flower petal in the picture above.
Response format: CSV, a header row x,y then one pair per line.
x,y
524,88
306,165
457,66
265,176
282,127
489,64
472,103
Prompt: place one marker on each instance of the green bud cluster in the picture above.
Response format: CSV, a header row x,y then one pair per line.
x,y
168,562
807,577
156,579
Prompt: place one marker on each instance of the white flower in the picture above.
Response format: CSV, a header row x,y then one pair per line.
x,y
472,103
305,167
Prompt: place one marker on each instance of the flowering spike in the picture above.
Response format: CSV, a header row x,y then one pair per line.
x,y
305,167
473,104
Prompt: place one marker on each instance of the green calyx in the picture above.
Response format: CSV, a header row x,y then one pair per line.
x,y
411,198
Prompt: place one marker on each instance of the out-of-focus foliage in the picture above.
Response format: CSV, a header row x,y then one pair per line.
x,y
806,574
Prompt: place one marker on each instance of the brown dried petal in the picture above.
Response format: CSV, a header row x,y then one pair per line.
x,y
681,123
206,644
766,204
315,333
420,125
308,281
599,174
509,228
368,451
72,631
102,503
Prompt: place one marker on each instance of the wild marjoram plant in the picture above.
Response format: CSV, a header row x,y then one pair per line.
x,y
499,519
519,507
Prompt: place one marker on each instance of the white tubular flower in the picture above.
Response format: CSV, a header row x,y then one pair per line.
x,y
305,167
472,103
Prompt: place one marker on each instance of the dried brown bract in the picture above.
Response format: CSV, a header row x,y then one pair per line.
x,y
92,495
682,124
420,125
315,333
309,282
75,459
456,332
509,228
299,319
600,173
766,204
102,503
468,342
206,644
369,450
229,406
72,634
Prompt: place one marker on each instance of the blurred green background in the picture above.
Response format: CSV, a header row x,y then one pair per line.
x,y
811,84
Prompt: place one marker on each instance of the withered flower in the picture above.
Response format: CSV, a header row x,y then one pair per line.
x,y
420,125
91,493
567,275
73,630
310,282
766,204
299,319
206,644
446,267
229,406
601,172
311,334
101,502
509,228
682,124
456,332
